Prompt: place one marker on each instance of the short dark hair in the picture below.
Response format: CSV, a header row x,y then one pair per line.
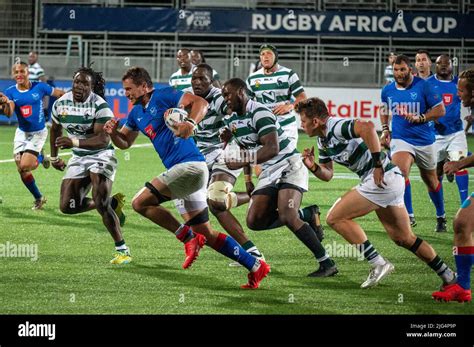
x,y
313,107
206,67
98,81
468,75
402,59
237,83
201,54
138,75
424,51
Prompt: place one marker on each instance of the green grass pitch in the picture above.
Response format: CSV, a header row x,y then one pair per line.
x,y
73,276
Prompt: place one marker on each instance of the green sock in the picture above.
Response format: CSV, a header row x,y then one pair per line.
x,y
247,245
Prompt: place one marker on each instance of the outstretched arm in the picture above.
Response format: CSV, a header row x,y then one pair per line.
x,y
123,138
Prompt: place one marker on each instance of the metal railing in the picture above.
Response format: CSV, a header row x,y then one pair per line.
x,y
323,64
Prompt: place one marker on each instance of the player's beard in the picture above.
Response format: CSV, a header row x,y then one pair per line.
x,y
404,80
139,100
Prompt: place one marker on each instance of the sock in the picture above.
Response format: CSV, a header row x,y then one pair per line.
x,y
305,214
462,180
407,197
184,233
121,246
464,257
440,267
29,182
251,248
370,253
306,235
227,246
437,199
40,158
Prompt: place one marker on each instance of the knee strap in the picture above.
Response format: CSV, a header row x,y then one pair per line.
x,y
416,245
161,198
201,218
221,192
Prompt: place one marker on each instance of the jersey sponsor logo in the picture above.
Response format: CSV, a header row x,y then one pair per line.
x,y
279,82
448,99
268,96
150,132
26,111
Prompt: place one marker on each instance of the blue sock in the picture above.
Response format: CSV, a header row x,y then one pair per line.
x,y
40,158
463,266
462,180
437,199
227,246
29,182
407,197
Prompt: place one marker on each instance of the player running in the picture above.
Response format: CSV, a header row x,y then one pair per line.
x,y
25,99
83,112
220,196
413,103
187,175
355,145
451,143
278,194
464,221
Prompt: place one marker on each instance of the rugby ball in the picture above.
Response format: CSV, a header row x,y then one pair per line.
x,y
174,116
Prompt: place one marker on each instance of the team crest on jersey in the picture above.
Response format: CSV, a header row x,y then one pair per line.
x,y
63,113
87,114
75,130
447,99
153,111
35,96
257,83
413,95
233,128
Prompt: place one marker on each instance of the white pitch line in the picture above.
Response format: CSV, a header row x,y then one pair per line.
x,y
64,154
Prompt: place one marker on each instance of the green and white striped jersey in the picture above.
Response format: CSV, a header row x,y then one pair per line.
x,y
78,118
342,146
275,89
207,135
35,72
259,121
181,82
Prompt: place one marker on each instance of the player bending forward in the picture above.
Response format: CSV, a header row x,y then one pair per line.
x,y
355,145
187,175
